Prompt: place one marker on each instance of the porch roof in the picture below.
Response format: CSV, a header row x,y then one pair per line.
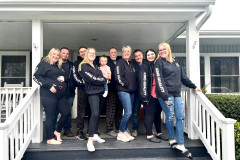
x,y
100,24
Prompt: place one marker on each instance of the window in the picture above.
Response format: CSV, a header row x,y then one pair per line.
x,y
224,74
182,63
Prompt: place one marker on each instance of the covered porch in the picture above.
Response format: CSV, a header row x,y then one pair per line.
x,y
37,26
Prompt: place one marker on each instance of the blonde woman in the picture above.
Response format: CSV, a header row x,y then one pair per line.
x,y
169,77
94,89
126,86
50,76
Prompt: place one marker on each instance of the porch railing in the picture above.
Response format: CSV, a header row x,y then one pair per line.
x,y
10,98
18,129
215,131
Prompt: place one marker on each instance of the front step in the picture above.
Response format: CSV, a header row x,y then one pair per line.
x,y
138,149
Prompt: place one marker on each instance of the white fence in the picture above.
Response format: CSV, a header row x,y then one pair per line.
x,y
215,131
10,98
18,129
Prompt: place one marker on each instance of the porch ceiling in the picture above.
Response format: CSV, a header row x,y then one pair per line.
x,y
100,24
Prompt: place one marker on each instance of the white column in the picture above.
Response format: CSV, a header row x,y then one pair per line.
x,y
193,72
207,73
228,141
4,144
37,53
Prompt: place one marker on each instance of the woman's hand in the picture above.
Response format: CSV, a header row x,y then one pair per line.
x,y
198,90
60,78
166,102
52,89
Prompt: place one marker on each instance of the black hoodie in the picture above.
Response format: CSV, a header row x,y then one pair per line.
x,y
169,78
145,80
77,78
94,80
125,76
46,76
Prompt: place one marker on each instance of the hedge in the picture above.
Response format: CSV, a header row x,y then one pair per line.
x,y
229,106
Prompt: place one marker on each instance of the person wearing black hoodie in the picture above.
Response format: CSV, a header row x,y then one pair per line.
x,y
50,76
151,106
126,86
94,89
82,103
137,64
169,77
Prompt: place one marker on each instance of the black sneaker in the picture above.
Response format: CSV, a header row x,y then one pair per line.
x,y
81,136
163,137
154,139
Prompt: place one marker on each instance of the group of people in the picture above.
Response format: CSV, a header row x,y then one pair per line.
x,y
124,84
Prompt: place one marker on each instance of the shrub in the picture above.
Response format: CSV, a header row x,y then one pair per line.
x,y
228,105
237,140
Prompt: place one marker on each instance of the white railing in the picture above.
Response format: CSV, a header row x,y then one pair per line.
x,y
18,129
10,98
215,131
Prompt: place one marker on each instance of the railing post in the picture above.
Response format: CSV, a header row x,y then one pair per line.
x,y
228,141
4,146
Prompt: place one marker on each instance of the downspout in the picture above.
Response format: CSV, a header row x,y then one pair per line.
x,y
200,24
206,16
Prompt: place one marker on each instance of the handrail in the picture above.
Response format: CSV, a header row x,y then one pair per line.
x,y
19,128
215,131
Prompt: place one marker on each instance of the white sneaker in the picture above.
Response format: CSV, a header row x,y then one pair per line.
x,y
98,139
105,94
122,137
128,136
90,146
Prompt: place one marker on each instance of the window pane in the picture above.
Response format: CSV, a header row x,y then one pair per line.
x,y
13,66
224,65
224,84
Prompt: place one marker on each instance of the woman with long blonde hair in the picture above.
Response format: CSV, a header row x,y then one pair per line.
x,y
94,89
49,75
169,77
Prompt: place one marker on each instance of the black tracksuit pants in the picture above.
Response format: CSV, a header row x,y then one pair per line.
x,y
152,112
50,106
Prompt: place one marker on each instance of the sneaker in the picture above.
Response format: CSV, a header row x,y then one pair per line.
x,y
122,137
163,137
98,139
68,133
134,133
81,136
128,136
90,146
105,94
112,133
154,139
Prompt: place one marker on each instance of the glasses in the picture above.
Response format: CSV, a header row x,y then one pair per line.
x,y
164,49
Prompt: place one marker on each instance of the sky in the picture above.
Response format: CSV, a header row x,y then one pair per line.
x,y
225,16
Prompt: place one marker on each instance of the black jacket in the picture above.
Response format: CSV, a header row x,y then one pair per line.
x,y
68,78
94,80
137,68
112,84
145,81
76,77
46,76
125,76
169,78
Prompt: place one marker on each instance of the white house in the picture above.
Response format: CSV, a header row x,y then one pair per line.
x,y
29,28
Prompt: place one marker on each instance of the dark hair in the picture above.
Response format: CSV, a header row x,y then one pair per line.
x,y
103,56
112,48
82,47
64,48
148,51
136,50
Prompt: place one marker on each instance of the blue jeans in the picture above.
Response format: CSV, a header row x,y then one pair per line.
x,y
127,101
174,108
135,111
68,122
105,87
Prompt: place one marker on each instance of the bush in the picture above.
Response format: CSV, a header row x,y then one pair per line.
x,y
237,140
228,105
